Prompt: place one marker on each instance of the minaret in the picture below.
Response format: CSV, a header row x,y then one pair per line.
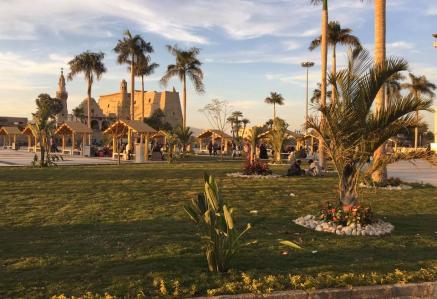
x,y
62,95
124,108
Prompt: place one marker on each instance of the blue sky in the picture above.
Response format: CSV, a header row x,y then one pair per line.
x,y
248,47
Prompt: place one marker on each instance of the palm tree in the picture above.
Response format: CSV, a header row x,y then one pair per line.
x,y
419,86
236,122
144,68
324,66
44,117
317,94
131,49
353,131
393,86
184,136
187,65
275,99
245,122
336,35
91,64
78,113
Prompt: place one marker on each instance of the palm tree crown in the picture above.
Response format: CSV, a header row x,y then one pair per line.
x,y
337,35
91,65
187,65
419,85
275,99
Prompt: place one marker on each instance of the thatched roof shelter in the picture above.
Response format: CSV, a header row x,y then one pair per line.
x,y
135,126
216,133
10,131
70,127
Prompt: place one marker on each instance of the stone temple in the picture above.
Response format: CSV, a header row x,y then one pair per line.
x,y
118,104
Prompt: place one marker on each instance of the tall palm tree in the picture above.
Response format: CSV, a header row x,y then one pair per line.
x,y
353,131
419,86
275,99
91,65
380,53
187,65
144,68
336,35
393,86
131,49
324,66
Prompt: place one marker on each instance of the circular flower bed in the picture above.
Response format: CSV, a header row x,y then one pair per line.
x,y
252,176
376,228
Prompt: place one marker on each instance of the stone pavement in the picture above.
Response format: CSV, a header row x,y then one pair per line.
x,y
417,171
24,158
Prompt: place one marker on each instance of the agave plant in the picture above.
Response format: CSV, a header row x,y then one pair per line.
x,y
215,221
352,130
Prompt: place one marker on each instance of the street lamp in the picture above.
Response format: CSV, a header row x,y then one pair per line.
x,y
435,42
307,65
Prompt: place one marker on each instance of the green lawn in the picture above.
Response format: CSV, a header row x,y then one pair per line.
x,y
122,230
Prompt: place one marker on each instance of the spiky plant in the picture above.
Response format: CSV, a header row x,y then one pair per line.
x,y
213,216
353,131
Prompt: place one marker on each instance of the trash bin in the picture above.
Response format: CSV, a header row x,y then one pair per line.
x,y
139,153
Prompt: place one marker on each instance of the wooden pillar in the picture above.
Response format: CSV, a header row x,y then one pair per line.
x,y
72,143
114,145
146,148
29,142
226,145
83,143
36,141
200,145
63,143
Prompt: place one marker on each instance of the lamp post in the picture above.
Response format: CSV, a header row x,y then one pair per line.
x,y
435,113
307,65
435,42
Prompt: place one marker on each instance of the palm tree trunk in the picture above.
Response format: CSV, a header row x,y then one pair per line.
x,y
142,98
324,58
184,100
42,150
333,70
416,132
89,109
380,35
132,88
348,187
274,111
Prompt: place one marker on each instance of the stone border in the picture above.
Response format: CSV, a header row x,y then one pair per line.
x,y
404,291
377,228
389,187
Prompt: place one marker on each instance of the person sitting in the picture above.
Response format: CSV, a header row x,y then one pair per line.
x,y
292,155
314,169
263,152
295,169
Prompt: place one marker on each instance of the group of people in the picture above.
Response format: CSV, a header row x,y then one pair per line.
x,y
313,169
213,148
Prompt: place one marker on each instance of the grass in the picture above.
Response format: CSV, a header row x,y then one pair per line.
x,y
122,230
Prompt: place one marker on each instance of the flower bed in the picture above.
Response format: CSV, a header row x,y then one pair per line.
x,y
376,228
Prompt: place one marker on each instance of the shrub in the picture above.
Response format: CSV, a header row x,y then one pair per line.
x,y
256,167
215,221
338,215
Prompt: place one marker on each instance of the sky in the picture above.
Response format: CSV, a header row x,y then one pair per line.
x,y
248,47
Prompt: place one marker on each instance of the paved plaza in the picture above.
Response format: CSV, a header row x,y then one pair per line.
x,y
24,158
410,172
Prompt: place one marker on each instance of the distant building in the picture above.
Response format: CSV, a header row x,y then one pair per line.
x,y
119,104
62,95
